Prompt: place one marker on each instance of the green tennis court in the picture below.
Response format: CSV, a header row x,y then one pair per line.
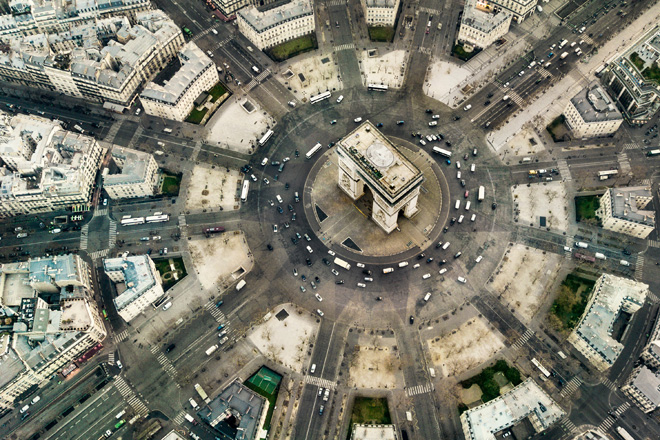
x,y
266,380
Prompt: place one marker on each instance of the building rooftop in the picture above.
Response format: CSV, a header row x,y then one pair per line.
x,y
137,274
525,400
381,3
481,15
634,204
373,432
610,297
193,62
380,161
648,383
262,20
134,169
595,105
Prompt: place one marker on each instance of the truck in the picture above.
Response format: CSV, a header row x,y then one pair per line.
x,y
624,263
211,349
240,285
482,193
193,403
190,418
409,416
255,69
581,244
600,256
214,230
563,43
167,130
202,393
79,128
564,55
341,263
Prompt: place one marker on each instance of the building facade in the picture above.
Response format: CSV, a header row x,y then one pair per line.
x,y
174,99
643,388
367,159
138,177
482,24
626,79
138,283
103,61
48,321
381,12
520,9
592,113
627,210
47,168
268,28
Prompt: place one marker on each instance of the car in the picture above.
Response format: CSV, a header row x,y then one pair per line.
x,y
266,181
296,153
494,205
379,298
287,225
313,284
411,319
318,297
302,289
326,394
319,312
433,123
331,252
467,107
362,285
326,262
400,122
333,122
219,303
487,102
379,125
339,282
290,207
427,30
105,202
310,250
275,163
221,326
367,272
274,228
293,217
422,142
358,119
170,348
368,279
293,240
119,365
280,210
307,237
429,260
341,97
334,271
303,277
295,272
308,261
463,183
467,194
458,254
320,392
253,177
269,246
286,159
428,110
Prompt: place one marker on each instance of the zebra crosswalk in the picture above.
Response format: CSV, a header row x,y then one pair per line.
x,y
652,298
424,50
606,424
653,243
571,387
639,267
179,418
204,32
429,10
182,220
646,182
631,146
568,426
119,337
129,395
624,163
512,94
112,234
320,382
346,46
215,312
100,212
623,408
419,389
523,339
99,254
564,170
609,384
84,237
544,72
111,358
167,366
587,39
336,3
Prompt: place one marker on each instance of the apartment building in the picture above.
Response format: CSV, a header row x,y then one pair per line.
x,y
103,61
46,167
643,388
483,23
137,281
269,27
628,210
174,98
592,336
48,321
592,113
138,174
381,12
520,9
627,80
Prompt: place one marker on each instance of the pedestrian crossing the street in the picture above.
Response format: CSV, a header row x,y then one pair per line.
x,y
606,424
112,234
119,337
571,387
639,267
568,426
346,46
523,339
320,382
99,254
419,389
609,384
167,366
111,358
110,136
100,212
564,170
624,163
631,146
129,395
84,236
182,220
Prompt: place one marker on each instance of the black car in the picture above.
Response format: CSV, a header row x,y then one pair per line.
x,y
490,95
290,207
270,248
456,118
170,348
317,279
428,110
326,262
494,205
626,252
429,260
412,319
439,244
445,229
420,256
279,209
339,282
448,143
18,248
309,262
297,153
487,102
293,240
441,262
366,272
453,220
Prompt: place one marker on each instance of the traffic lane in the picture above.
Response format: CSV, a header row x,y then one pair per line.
x,y
636,337
309,423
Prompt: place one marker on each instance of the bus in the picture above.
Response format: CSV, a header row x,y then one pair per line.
x,y
244,191
320,97
653,153
132,221
187,31
538,365
158,218
608,173
341,263
377,87
105,314
266,137
482,193
202,393
442,152
599,71
624,434
314,150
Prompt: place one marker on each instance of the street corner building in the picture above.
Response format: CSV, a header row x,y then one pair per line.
x,y
482,24
592,113
269,26
138,174
627,210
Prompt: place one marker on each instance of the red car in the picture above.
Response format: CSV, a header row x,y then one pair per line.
x,y
427,30
467,193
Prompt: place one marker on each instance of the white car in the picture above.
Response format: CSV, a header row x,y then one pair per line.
x,y
360,265
458,164
318,297
274,228
310,250
422,141
161,144
253,177
209,53
426,276
361,285
214,32
436,116
119,365
369,279
279,198
340,99
264,162
267,182
433,123
156,237
467,107
334,271
462,280
358,119
286,159
331,252
320,312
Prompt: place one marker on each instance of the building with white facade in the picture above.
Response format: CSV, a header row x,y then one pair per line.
x,y
48,320
626,79
381,12
482,24
592,113
46,167
268,28
643,388
105,60
593,335
627,210
368,160
137,281
138,177
526,402
363,431
520,9
174,98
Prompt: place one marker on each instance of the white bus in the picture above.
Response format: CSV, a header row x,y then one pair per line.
x,y
653,153
342,263
244,191
624,434
442,152
482,193
608,173
158,218
132,221
378,87
538,365
266,137
599,71
320,97
314,150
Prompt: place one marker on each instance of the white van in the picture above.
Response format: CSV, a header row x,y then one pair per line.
x,y
193,403
361,285
35,400
432,372
467,206
313,368
457,204
426,276
403,264
473,218
340,99
388,270
479,258
25,408
427,297
167,305
458,174
443,270
460,219
446,245
462,280
473,167
279,198
240,285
